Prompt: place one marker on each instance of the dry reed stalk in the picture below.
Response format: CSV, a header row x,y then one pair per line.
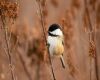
x,y
43,10
8,51
24,66
92,44
44,34
18,38
98,17
8,11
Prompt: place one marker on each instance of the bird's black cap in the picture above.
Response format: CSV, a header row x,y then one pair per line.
x,y
54,27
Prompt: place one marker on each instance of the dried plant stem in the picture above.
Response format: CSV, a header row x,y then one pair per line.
x,y
21,59
24,66
43,28
10,34
91,32
8,47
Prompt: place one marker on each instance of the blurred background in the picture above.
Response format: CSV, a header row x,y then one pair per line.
x,y
28,52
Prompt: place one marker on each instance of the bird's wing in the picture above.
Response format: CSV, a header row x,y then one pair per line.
x,y
48,44
63,40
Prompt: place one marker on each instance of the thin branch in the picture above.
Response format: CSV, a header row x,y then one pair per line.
x,y
88,17
24,66
43,28
8,47
21,59
10,36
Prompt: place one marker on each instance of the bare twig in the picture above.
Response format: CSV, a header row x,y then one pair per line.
x,y
91,32
8,11
21,59
8,47
43,28
24,66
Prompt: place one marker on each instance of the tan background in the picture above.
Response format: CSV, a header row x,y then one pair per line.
x,y
29,60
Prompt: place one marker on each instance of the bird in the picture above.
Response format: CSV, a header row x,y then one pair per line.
x,y
55,41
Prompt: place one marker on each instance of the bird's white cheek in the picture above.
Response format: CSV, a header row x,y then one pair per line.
x,y
57,32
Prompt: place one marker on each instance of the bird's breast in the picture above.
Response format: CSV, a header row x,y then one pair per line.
x,y
56,46
59,49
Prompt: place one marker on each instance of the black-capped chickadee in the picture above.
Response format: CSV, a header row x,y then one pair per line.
x,y
55,41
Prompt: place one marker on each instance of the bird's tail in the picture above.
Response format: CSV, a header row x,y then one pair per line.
x,y
62,61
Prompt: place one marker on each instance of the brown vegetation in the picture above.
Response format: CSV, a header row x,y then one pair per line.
x,y
23,51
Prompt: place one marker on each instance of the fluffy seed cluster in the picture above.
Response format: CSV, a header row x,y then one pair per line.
x,y
9,9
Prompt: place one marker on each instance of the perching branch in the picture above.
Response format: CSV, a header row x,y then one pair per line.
x,y
43,28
